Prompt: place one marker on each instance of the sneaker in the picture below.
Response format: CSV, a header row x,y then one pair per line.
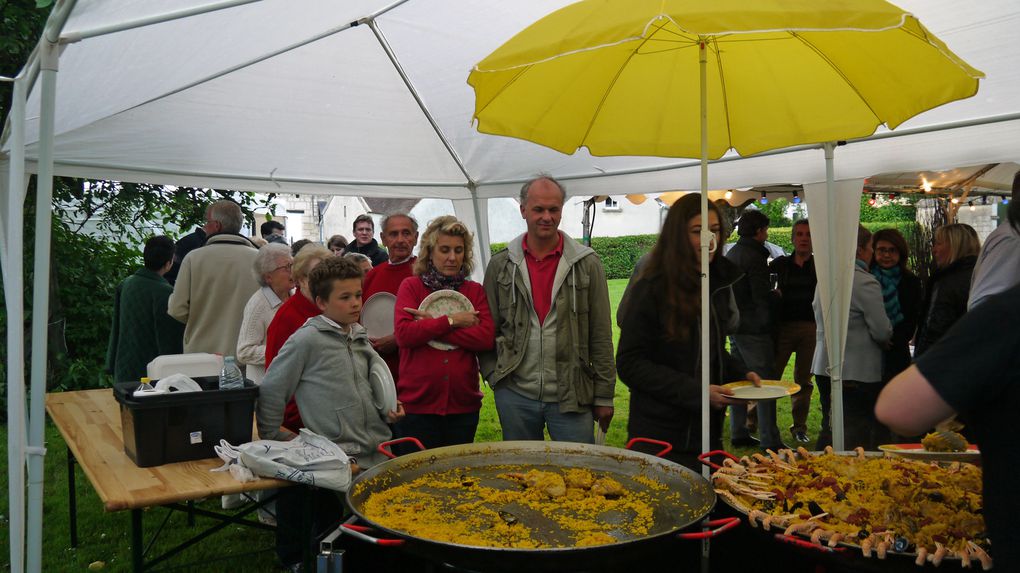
x,y
744,442
801,437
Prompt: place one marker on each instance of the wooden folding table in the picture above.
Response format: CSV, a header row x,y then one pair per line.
x,y
89,421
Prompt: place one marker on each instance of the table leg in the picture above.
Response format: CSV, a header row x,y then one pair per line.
x,y
137,557
72,498
191,514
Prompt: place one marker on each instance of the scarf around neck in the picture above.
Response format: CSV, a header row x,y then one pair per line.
x,y
890,281
435,280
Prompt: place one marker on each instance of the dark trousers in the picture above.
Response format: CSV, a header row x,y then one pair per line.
x,y
435,431
797,337
293,535
860,427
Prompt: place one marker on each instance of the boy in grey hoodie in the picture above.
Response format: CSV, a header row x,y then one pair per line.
x,y
325,366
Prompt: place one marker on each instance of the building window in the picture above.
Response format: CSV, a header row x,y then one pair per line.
x,y
610,205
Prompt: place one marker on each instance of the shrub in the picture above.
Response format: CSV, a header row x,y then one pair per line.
x,y
618,254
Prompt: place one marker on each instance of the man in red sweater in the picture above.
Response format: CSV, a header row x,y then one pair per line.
x,y
399,235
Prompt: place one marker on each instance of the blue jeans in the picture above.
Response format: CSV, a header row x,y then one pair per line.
x,y
524,419
757,352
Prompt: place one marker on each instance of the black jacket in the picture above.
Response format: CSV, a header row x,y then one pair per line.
x,y
371,250
796,287
664,375
185,245
945,301
753,291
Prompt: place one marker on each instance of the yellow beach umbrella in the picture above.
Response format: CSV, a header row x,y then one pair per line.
x,y
696,78
621,77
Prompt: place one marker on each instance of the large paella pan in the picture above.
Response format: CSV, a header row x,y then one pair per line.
x,y
874,504
543,504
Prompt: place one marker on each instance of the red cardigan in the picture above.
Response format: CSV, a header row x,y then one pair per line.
x,y
387,278
434,381
292,315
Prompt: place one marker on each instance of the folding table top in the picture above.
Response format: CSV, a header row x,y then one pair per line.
x,y
89,421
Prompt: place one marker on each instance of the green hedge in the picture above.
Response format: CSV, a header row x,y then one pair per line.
x,y
619,254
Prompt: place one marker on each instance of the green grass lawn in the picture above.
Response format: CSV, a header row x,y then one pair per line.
x,y
106,536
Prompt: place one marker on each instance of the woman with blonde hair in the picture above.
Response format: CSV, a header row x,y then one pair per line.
x,y
293,314
438,383
955,250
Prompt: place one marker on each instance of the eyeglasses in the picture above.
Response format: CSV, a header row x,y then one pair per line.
x,y
887,251
287,266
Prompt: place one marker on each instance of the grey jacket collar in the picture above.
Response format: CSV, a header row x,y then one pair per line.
x,y
357,331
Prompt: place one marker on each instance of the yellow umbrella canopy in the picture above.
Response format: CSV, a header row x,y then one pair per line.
x,y
622,77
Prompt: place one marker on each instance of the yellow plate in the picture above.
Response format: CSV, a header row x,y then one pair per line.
x,y
769,390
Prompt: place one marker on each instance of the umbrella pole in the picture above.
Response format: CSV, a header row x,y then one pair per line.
x,y
706,234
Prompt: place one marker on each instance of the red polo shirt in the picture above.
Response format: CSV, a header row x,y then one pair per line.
x,y
542,273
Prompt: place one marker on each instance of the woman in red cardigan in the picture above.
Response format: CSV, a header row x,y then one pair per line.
x,y
439,388
292,316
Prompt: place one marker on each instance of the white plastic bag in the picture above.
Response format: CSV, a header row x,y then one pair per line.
x,y
308,459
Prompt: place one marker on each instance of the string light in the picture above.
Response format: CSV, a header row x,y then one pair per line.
x,y
971,205
796,197
728,195
873,200
764,200
955,201
925,184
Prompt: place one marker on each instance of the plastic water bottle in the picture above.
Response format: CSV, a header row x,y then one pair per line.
x,y
230,376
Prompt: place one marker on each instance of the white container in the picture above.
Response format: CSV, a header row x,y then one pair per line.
x,y
191,365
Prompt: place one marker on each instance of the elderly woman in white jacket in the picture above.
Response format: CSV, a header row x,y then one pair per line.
x,y
868,332
272,269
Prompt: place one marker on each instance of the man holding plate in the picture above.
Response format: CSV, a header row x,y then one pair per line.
x,y
553,365
399,235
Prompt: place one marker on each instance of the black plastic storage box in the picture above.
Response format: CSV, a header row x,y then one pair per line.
x,y
183,426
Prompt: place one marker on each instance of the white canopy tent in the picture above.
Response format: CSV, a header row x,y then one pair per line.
x,y
365,97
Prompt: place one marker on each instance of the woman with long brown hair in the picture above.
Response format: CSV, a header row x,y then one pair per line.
x,y
659,352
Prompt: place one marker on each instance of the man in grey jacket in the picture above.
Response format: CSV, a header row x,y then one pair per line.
x,y
553,365
868,331
753,342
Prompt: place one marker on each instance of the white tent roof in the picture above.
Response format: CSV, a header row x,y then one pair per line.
x,y
289,97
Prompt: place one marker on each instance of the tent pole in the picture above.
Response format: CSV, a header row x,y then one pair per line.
x,y
40,304
834,335
481,223
14,295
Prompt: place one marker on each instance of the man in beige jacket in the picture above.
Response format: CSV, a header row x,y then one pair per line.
x,y
214,283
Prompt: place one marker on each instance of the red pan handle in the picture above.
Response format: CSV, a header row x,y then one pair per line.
x,y
361,532
706,458
720,525
807,544
382,447
667,447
